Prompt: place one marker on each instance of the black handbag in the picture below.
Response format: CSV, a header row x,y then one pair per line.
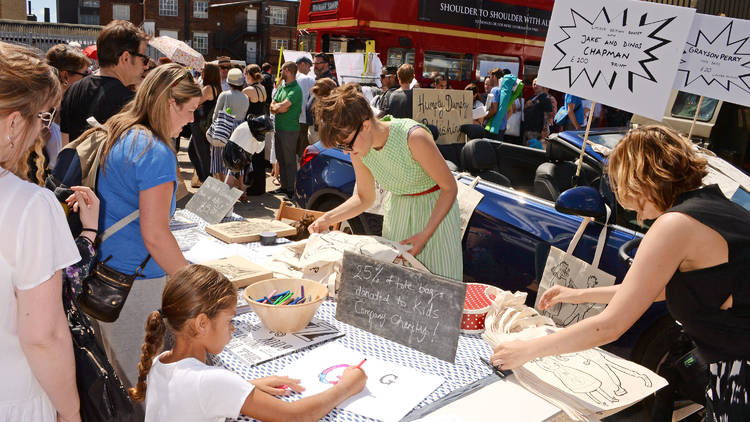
x,y
106,289
103,398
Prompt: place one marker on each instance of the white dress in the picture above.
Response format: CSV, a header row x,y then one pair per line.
x,y
36,242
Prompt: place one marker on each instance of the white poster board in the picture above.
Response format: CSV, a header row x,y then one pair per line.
x,y
622,53
293,56
350,67
391,390
716,60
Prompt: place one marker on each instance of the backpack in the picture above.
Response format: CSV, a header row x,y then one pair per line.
x,y
77,165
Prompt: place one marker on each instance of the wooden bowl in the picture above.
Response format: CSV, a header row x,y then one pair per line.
x,y
285,318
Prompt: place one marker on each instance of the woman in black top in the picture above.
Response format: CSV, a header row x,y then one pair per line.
x,y
696,255
199,150
255,180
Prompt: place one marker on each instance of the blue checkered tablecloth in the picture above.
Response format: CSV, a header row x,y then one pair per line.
x,y
466,369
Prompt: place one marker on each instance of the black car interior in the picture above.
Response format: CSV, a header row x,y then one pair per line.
x,y
545,173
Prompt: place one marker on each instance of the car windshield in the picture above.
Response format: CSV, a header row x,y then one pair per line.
x,y
608,140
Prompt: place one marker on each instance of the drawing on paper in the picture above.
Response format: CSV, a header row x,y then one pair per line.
x,y
332,374
233,272
577,381
581,310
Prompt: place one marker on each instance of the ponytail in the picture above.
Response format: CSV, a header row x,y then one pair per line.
x,y
152,343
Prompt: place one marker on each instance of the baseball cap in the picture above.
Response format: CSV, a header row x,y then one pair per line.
x,y
304,59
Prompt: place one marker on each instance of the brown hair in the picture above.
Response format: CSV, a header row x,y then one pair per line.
x,y
212,77
67,58
323,87
27,85
254,71
292,66
117,37
405,73
340,113
655,163
149,110
266,66
193,290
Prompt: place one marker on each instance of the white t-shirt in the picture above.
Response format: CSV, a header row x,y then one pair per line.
x,y
191,391
36,242
306,83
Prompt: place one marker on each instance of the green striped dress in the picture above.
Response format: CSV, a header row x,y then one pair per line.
x,y
395,170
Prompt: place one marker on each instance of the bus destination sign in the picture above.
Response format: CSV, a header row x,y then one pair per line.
x,y
487,15
324,6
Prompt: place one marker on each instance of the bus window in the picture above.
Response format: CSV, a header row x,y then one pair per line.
x,y
530,72
486,62
307,41
685,105
399,56
453,65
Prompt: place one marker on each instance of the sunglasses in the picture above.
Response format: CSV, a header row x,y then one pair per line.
x,y
348,146
187,74
226,67
47,117
144,58
84,74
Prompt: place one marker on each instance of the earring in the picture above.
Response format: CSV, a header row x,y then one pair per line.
x,y
10,140
65,83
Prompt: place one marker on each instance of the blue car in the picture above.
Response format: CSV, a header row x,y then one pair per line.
x,y
523,213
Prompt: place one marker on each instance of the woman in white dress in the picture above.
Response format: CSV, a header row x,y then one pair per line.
x,y
37,363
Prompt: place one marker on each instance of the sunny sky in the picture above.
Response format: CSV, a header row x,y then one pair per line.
x,y
37,8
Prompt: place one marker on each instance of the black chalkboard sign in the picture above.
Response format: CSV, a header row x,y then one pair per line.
x,y
411,307
213,200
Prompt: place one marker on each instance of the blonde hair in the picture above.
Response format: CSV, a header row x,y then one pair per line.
x,y
149,110
656,164
27,85
193,290
340,113
405,73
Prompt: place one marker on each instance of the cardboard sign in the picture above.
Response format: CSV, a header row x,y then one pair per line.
x,y
240,271
621,53
249,230
414,308
447,109
213,201
716,60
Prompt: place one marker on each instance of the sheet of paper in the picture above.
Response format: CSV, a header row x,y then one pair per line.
x,y
208,249
187,238
391,390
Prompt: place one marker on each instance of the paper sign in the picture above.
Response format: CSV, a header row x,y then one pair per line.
x,y
350,67
621,53
292,56
716,60
447,109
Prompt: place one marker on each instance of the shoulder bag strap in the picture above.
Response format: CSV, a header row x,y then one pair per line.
x,y
120,224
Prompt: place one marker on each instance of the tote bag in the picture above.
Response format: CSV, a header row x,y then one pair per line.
x,y
566,270
221,129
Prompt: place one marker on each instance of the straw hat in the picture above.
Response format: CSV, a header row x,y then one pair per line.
x,y
235,77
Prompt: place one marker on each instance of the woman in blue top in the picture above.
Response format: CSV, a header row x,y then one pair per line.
x,y
138,171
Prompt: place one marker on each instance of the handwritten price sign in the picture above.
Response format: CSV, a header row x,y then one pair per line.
x,y
622,53
716,59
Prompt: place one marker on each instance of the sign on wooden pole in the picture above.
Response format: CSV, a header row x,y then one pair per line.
x,y
448,109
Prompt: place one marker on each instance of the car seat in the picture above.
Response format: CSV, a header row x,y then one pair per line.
x,y
478,158
556,176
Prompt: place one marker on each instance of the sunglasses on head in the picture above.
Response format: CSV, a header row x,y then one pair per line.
x,y
348,146
47,117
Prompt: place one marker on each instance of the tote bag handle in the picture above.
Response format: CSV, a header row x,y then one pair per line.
x,y
599,244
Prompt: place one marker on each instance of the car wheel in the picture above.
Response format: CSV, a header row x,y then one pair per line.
x,y
351,226
652,352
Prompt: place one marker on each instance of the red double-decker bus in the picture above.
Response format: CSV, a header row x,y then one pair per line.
x,y
460,39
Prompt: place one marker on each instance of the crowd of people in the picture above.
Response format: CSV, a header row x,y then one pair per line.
x,y
138,109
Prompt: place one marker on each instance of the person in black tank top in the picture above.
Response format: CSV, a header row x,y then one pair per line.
x,y
255,180
696,255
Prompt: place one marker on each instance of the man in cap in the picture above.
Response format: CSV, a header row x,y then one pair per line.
x,y
225,64
306,83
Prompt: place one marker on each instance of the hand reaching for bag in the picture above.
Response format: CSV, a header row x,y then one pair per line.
x,y
85,202
557,294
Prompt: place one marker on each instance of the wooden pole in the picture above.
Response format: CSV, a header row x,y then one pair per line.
x,y
695,117
585,140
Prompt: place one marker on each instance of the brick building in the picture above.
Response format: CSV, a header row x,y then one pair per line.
x,y
250,30
13,9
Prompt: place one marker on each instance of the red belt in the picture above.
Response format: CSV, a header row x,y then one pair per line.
x,y
430,190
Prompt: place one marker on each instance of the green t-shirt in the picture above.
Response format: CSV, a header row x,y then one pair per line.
x,y
290,120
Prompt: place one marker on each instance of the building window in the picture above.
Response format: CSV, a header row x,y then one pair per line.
x,y
90,3
252,21
277,15
169,33
200,9
89,19
121,11
167,7
200,42
277,43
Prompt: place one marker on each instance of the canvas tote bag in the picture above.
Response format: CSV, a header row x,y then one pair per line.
x,y
566,270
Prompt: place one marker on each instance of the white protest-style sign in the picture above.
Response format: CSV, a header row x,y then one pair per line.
x,y
716,59
622,53
293,56
350,67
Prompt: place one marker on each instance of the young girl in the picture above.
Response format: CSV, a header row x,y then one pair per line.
x,y
199,303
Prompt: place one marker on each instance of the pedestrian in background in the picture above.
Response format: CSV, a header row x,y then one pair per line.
x,y
235,103
306,83
287,106
225,64
401,102
199,149
537,112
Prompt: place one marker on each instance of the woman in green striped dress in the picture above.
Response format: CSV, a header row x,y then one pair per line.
x,y
420,207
